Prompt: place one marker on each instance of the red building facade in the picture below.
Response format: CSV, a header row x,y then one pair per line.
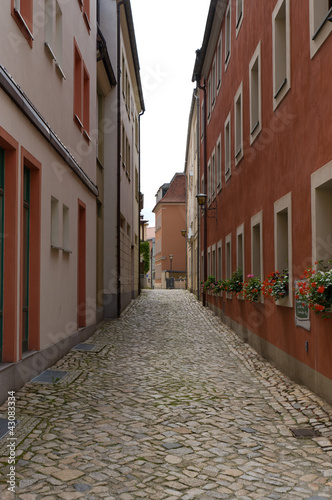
x,y
266,167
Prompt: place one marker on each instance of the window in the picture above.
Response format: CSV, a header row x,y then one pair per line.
x,y
239,15
281,51
213,261
209,96
54,223
257,245
227,36
209,181
219,260
53,33
320,28
202,120
86,13
321,209
214,84
81,94
218,164
26,259
255,94
78,91
86,103
240,248
228,256
219,62
65,229
283,240
209,271
22,12
238,125
228,147
213,175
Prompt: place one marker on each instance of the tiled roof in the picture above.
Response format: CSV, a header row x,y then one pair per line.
x,y
176,192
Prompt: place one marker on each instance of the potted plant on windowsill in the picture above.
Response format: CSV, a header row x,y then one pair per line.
x,y
315,289
276,285
252,289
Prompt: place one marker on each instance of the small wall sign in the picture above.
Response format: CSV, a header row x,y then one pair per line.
x,y
302,312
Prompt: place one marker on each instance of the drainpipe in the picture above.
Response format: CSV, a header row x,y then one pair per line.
x,y
118,185
203,87
139,204
198,140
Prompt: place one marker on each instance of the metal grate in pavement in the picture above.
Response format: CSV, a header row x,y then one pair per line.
x,y
84,347
49,376
3,427
304,433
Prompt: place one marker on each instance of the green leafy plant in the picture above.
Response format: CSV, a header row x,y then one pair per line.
x,y
234,284
276,285
315,289
145,255
252,288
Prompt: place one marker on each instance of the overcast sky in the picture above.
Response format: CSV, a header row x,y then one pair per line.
x,y
167,35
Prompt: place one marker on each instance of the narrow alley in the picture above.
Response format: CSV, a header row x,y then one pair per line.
x,y
168,403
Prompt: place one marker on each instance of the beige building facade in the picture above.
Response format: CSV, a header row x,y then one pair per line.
x,y
191,171
48,183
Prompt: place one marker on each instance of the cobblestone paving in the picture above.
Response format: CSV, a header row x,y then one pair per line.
x,y
172,405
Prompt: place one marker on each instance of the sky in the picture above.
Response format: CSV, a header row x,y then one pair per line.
x,y
168,32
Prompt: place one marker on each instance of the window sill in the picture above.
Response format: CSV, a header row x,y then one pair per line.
x,y
55,247
50,51
87,22
78,122
60,71
86,136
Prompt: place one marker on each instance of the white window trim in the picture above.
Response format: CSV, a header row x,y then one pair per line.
x,y
284,203
239,20
238,151
255,128
318,179
219,64
228,54
228,172
280,93
317,36
219,245
214,84
239,232
255,220
214,268
219,181
213,175
228,240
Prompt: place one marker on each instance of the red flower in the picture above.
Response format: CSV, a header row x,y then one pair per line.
x,y
321,289
318,307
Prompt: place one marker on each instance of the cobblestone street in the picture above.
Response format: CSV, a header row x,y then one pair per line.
x,y
169,404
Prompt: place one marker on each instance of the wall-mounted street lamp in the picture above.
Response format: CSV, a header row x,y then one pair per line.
x,y
201,198
171,261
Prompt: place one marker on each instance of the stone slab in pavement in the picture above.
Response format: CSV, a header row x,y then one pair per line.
x,y
173,405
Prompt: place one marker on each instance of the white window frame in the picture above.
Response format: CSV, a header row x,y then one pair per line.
x,y
219,261
255,108
65,229
320,28
213,175
283,207
219,164
209,98
257,220
238,125
219,63
239,15
321,226
228,143
228,35
240,233
55,221
281,87
209,181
